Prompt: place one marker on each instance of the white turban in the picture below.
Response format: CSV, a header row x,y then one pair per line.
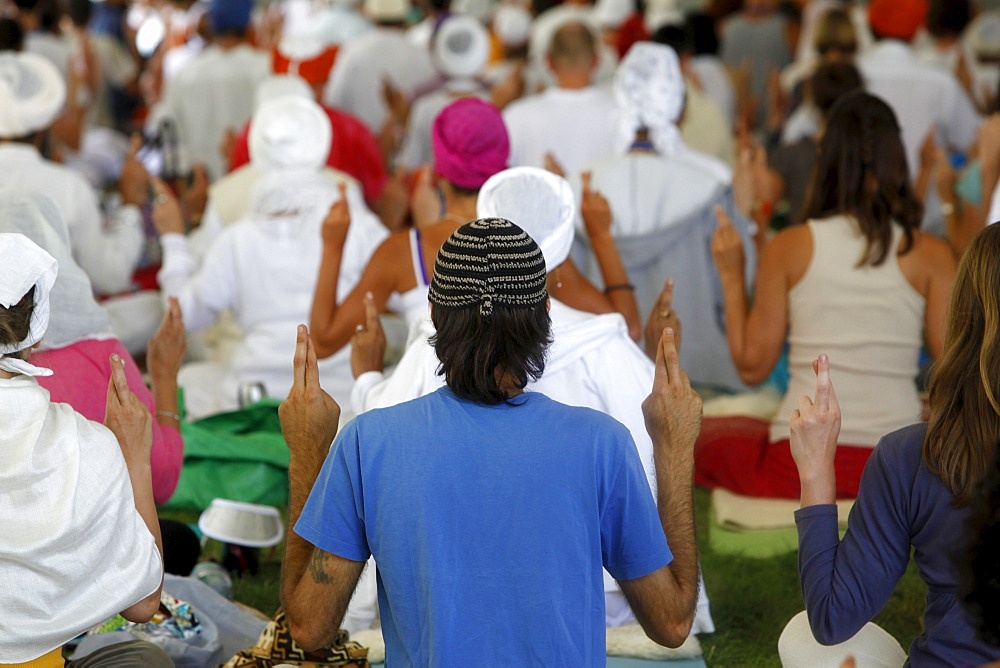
x,y
539,202
23,265
512,24
461,47
649,88
32,93
289,132
279,85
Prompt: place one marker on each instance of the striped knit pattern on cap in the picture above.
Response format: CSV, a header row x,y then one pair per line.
x,y
488,261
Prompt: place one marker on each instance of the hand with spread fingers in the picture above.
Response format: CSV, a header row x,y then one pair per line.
x,y
815,426
662,316
127,417
338,218
309,416
673,410
727,246
368,342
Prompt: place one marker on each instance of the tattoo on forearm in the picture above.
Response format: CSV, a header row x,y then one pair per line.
x,y
317,567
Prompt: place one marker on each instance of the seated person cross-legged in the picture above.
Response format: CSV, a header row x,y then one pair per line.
x,y
858,281
79,540
915,496
490,510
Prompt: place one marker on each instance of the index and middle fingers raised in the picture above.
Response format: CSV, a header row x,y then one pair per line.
x,y
305,372
668,366
118,390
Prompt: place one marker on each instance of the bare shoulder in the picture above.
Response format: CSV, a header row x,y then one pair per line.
x,y
789,252
929,258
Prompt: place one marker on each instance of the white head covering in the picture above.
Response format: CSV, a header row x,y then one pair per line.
x,y
649,88
612,13
387,10
539,202
74,315
289,132
279,85
24,265
512,24
285,199
32,93
461,47
661,13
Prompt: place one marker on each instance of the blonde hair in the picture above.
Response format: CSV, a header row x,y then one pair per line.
x,y
964,427
835,32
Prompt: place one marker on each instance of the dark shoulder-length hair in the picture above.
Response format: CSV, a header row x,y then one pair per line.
x,y
964,428
861,171
476,351
15,322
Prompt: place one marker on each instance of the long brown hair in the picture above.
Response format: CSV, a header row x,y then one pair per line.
x,y
964,428
861,171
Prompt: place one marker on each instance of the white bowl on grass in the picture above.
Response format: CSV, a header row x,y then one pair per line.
x,y
239,523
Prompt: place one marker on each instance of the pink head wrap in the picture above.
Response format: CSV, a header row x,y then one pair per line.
x,y
470,142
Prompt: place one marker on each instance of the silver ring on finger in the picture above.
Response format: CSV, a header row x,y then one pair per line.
x,y
665,314
359,329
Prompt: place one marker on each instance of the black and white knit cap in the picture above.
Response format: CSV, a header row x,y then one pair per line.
x,y
488,261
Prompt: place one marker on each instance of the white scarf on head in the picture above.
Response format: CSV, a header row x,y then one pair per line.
x,y
649,88
23,265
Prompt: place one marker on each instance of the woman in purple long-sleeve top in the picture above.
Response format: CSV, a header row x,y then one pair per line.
x,y
916,488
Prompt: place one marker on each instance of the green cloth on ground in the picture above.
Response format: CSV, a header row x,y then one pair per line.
x,y
239,455
758,543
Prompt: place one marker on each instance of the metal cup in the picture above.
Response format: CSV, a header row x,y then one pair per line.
x,y
250,392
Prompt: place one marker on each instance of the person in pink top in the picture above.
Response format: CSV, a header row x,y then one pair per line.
x,y
79,342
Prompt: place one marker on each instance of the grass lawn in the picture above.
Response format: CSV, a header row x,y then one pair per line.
x,y
752,599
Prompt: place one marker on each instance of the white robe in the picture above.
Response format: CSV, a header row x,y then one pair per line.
x,y
575,125
355,84
213,92
107,253
74,550
265,272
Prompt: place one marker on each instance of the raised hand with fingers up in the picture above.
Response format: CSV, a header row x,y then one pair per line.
x,y
167,215
338,218
660,317
673,410
309,416
368,342
815,426
727,246
127,417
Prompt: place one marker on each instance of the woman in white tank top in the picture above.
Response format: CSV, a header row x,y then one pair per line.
x,y
859,282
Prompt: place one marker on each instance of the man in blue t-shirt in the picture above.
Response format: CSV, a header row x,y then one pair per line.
x,y
489,510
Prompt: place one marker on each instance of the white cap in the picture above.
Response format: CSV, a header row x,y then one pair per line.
x,y
460,47
612,13
289,132
387,10
512,24
33,92
539,202
280,85
661,13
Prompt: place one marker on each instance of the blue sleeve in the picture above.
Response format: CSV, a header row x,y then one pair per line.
x,y
846,583
632,539
333,516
